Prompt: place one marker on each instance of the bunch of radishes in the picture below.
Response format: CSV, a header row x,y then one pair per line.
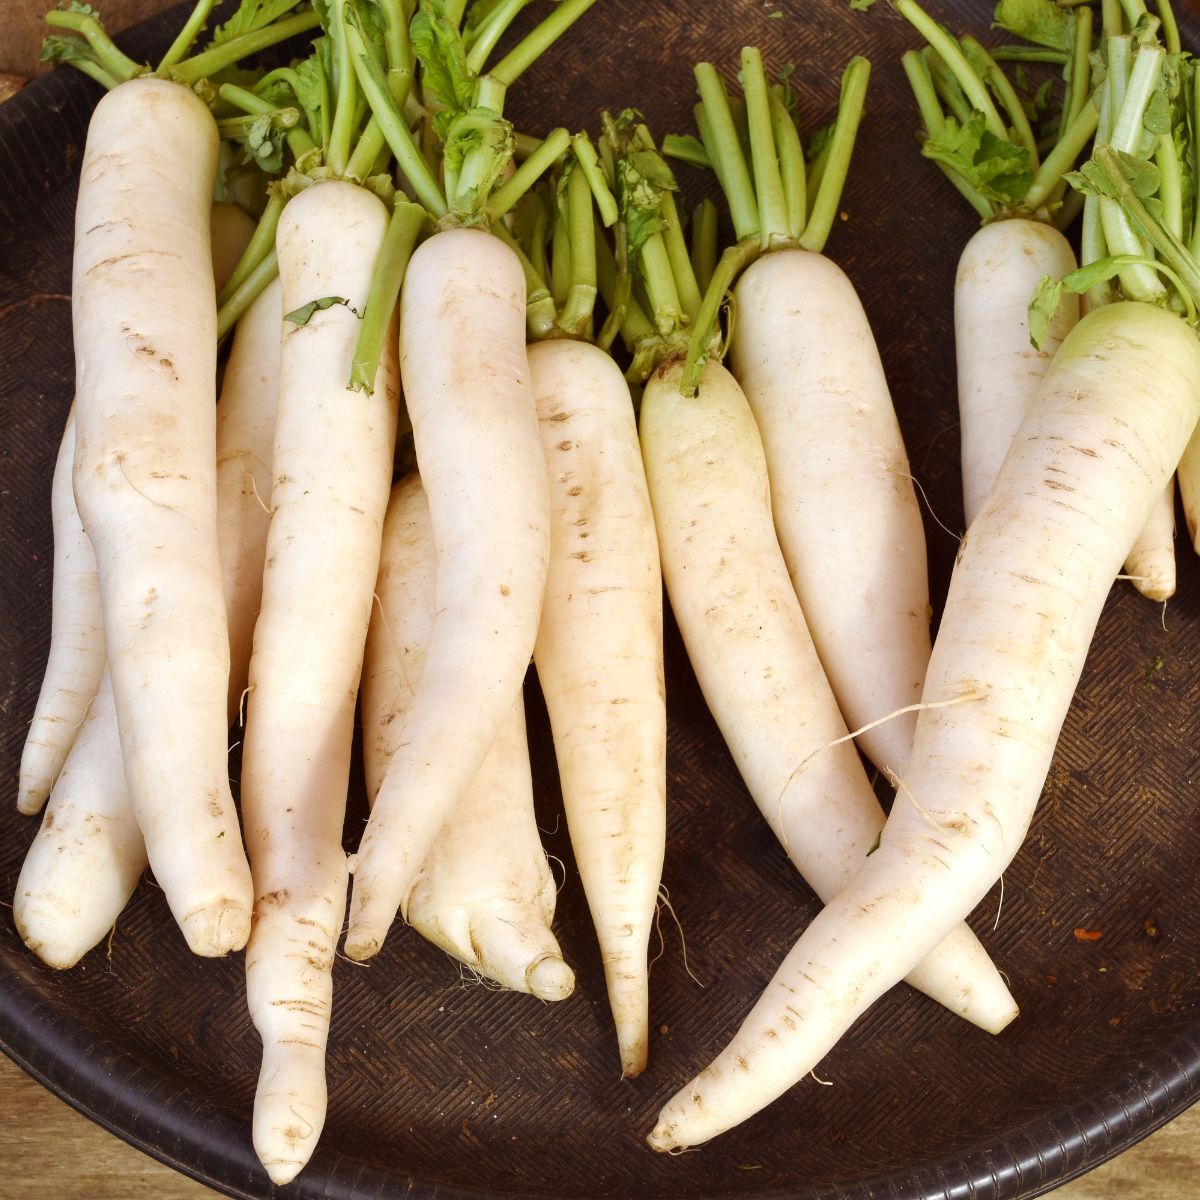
x,y
248,559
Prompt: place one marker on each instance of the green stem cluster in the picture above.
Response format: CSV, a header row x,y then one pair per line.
x,y
957,80
775,198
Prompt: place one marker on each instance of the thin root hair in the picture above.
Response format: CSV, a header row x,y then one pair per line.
x,y
108,948
664,901
87,712
345,957
552,832
242,705
924,496
403,672
933,441
558,887
818,1079
469,976
899,712
311,1127
257,496
662,944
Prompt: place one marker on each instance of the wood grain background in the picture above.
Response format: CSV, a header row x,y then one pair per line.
x,y
47,1149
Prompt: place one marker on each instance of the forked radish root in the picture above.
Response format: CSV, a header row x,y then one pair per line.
x,y
89,853
468,394
485,893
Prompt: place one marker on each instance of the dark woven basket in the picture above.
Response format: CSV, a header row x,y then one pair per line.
x,y
441,1088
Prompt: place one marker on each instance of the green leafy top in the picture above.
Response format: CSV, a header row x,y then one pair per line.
x,y
979,127
994,167
1039,21
252,15
642,177
446,78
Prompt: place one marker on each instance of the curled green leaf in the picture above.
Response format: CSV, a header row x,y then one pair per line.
x,y
306,312
995,168
1039,21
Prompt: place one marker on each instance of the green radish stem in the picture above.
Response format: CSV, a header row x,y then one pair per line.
x,y
371,78
404,226
704,243
528,173
916,68
774,222
1194,239
245,293
540,38
792,171
187,35
261,243
299,141
541,313
771,145
491,30
948,49
1062,157
1008,98
581,292
217,58
1170,29
1138,282
115,64
840,147
590,164
725,150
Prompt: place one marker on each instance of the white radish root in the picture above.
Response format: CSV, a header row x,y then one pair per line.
x,y
245,445
144,481
1115,412
466,383
599,660
845,508
88,855
76,660
999,370
331,462
1151,562
758,669
485,894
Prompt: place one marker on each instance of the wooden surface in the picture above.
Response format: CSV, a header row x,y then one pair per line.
x,y
50,1150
